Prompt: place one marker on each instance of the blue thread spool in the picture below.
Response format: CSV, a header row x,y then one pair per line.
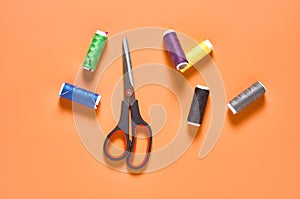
x,y
79,95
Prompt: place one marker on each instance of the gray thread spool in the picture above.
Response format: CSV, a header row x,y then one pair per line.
x,y
198,105
248,96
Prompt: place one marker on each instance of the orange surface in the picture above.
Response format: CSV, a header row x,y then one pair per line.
x,y
43,44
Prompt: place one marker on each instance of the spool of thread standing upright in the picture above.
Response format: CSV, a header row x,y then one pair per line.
x,y
245,98
95,51
197,53
198,105
174,48
79,95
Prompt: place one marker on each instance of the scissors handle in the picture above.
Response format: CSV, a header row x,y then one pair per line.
x,y
121,129
138,125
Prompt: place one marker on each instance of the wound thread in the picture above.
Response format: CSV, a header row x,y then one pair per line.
x,y
198,105
245,98
79,95
174,48
95,51
197,53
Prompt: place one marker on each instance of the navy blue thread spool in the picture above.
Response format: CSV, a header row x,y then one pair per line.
x,y
174,48
79,95
245,98
198,105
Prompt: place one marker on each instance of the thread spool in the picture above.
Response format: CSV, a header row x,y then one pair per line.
x,y
245,98
198,105
197,53
174,48
95,51
79,95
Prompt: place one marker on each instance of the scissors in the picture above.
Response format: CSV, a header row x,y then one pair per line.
x,y
129,104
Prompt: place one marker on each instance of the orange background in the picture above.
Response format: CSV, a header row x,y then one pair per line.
x,y
43,44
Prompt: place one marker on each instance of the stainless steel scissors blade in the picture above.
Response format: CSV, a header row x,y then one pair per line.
x,y
129,96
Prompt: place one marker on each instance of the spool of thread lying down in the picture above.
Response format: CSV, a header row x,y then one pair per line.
x,y
198,105
245,98
95,51
174,48
79,95
197,53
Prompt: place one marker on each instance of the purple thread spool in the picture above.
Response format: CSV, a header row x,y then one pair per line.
x,y
175,50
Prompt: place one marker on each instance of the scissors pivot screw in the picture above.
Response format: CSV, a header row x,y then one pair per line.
x,y
129,92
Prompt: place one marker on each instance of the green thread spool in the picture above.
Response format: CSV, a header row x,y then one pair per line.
x,y
94,53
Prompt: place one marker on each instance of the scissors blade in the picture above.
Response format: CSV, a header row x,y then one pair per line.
x,y
129,96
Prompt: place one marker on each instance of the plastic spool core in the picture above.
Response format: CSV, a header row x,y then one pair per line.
x,y
181,65
209,44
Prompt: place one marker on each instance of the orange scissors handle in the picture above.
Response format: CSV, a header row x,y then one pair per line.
x,y
138,126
